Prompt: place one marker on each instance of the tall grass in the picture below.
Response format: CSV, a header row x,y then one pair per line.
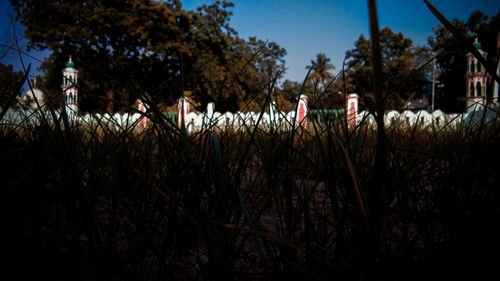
x,y
98,202
121,204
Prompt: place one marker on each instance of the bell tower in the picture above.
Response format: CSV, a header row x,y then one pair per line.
x,y
70,91
476,79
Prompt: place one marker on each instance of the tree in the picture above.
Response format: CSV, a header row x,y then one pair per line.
x,y
321,73
125,47
325,91
286,96
10,81
234,73
451,59
268,67
399,60
128,48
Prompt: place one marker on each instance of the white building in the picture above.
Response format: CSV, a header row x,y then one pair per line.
x,y
476,79
70,91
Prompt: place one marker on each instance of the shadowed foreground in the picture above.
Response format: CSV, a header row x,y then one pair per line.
x,y
91,203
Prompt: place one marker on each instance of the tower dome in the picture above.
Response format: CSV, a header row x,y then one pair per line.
x,y
70,64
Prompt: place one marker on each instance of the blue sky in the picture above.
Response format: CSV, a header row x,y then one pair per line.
x,y
305,28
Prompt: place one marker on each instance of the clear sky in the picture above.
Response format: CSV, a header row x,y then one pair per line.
x,y
305,28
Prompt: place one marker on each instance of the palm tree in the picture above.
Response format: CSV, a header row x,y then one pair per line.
x,y
320,73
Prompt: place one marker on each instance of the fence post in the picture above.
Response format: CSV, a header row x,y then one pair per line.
x,y
302,111
183,107
351,110
143,120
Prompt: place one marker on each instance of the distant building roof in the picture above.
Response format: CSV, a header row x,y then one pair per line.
x,y
70,64
478,46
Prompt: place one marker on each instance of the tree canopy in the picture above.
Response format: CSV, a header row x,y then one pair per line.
x,y
10,81
140,46
324,91
399,60
321,72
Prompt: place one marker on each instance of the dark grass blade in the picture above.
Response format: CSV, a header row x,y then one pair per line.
x,y
381,150
182,209
218,157
254,131
341,269
14,95
252,227
352,173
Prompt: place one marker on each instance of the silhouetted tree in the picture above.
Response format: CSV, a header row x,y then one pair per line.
x,y
321,73
10,81
399,59
125,49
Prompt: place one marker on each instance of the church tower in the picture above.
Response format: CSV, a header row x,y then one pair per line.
x,y
70,91
476,79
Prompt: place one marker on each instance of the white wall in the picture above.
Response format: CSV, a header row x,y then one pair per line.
x,y
246,121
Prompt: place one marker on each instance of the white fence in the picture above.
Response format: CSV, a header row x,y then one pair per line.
x,y
243,121
435,120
